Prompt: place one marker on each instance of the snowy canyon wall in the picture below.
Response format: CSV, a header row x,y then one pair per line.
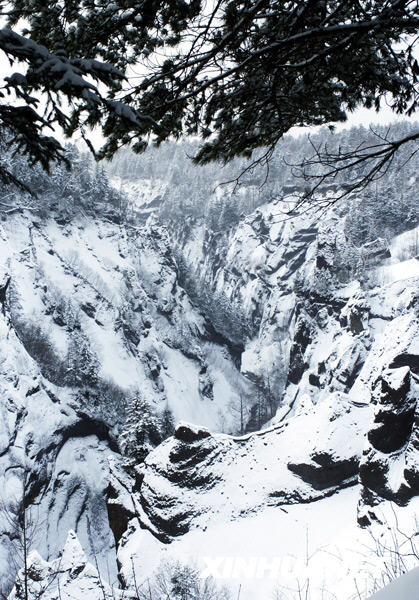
x,y
93,315
97,312
341,360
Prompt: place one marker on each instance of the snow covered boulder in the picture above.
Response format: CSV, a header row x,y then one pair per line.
x,y
376,251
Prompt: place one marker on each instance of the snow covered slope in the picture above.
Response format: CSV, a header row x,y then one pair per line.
x,y
275,550
115,290
268,553
403,588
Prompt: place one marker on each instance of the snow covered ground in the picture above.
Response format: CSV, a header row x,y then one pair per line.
x,y
275,553
277,548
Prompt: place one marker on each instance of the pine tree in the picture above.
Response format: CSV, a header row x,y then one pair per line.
x,y
83,364
167,423
140,428
239,75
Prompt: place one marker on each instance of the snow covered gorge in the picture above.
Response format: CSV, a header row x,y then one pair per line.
x,y
95,310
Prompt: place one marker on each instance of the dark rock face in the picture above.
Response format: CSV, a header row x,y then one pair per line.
x,y
326,471
89,309
394,418
389,468
118,520
302,339
187,433
314,380
376,251
406,360
192,454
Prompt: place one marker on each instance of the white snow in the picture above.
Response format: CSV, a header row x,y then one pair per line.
x,y
319,541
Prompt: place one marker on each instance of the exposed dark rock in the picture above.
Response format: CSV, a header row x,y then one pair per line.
x,y
325,471
189,433
314,380
4,284
355,323
89,309
406,360
189,455
120,512
302,338
321,262
394,419
165,529
118,520
393,439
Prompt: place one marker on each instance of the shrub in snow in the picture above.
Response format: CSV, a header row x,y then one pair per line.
x,y
61,309
178,581
167,423
39,346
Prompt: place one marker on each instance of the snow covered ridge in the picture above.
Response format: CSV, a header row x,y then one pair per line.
x,y
280,465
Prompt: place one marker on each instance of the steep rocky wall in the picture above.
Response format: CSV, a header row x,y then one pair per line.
x,y
342,365
348,406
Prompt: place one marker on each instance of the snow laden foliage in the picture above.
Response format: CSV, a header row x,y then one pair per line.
x,y
141,429
238,76
166,181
